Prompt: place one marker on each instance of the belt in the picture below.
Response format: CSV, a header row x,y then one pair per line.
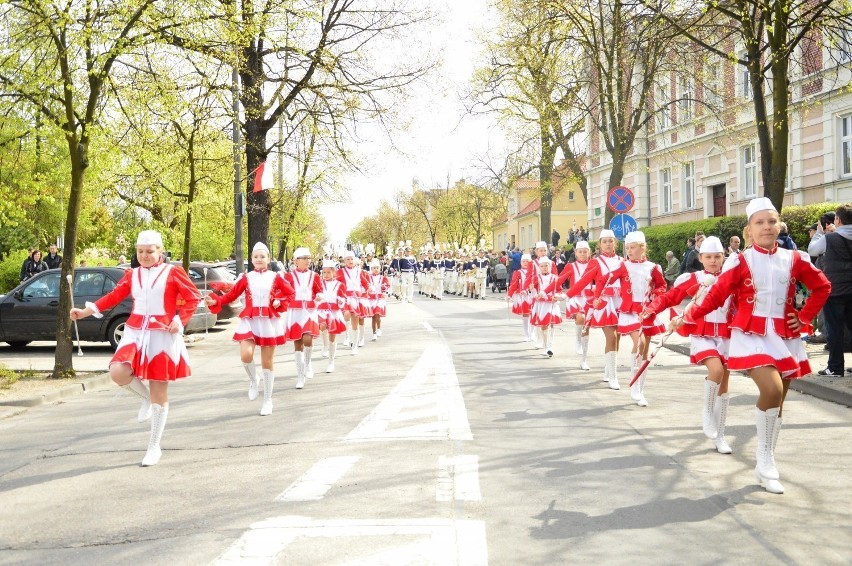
x,y
301,304
407,271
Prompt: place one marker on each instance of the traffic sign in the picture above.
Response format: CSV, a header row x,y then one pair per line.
x,y
622,224
620,199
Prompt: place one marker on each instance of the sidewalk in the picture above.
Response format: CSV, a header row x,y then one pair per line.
x,y
835,389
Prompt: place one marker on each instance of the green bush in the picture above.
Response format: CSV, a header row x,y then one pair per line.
x,y
672,237
799,218
10,270
7,377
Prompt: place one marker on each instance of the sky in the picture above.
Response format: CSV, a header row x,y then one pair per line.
x,y
440,141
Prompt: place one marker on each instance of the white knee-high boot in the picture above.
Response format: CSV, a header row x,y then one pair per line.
x,y
611,362
332,350
708,414
141,390
268,384
578,334
584,343
548,346
768,426
526,324
299,356
309,366
324,335
720,414
348,337
251,370
361,336
159,414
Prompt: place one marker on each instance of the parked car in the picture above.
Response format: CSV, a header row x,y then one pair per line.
x,y
28,312
218,280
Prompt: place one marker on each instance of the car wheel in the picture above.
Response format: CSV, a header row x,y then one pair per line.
x,y
116,331
18,344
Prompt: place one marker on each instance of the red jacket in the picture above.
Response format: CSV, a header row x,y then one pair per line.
x,y
626,273
715,323
280,290
598,273
355,281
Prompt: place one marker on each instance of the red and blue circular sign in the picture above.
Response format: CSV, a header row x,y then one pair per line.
x,y
620,199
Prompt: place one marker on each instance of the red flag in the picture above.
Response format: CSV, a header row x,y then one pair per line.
x,y
262,178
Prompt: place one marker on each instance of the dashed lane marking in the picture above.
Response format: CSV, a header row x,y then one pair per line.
x,y
315,483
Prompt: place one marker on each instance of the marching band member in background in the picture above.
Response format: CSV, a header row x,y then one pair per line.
x,y
575,307
394,274
482,264
639,281
469,268
519,295
766,328
407,268
377,288
439,275
152,347
330,302
450,274
355,284
266,295
545,309
710,337
603,311
302,319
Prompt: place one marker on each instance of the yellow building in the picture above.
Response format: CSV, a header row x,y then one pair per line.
x,y
521,225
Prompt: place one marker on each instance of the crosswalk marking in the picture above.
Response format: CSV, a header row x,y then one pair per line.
x,y
458,478
314,483
432,383
444,542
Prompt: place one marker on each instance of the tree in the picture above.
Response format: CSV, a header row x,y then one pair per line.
x,y
424,203
57,61
769,34
530,79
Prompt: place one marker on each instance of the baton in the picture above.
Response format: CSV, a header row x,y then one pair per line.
x,y
70,279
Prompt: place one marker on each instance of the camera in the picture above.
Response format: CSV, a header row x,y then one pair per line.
x,y
826,219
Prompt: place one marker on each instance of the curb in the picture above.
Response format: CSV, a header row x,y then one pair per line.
x,y
72,390
807,385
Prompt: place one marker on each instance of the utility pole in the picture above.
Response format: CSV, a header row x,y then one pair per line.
x,y
238,191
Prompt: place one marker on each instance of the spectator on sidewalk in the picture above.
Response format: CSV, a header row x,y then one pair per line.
x,y
554,238
672,269
53,259
734,246
784,239
835,242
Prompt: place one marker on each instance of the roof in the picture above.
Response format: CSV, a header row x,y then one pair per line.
x,y
523,183
501,220
530,208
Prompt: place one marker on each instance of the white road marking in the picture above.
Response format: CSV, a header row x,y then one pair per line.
x,y
458,479
428,327
429,391
316,482
445,542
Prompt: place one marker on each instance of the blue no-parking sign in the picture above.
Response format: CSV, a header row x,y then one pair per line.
x,y
622,224
620,199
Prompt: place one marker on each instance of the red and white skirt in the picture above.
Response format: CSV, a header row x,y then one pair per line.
x,y
652,326
521,304
263,330
332,319
575,305
302,321
354,305
607,315
378,306
704,347
153,354
749,351
545,313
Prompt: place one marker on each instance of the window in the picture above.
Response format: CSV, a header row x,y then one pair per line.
x,y
686,96
570,195
666,190
745,79
749,186
846,146
688,188
712,84
844,45
663,105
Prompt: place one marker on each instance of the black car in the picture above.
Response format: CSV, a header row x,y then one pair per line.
x,y
28,312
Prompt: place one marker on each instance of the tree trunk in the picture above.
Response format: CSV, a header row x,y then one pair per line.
x,y
775,178
616,175
62,364
193,182
545,172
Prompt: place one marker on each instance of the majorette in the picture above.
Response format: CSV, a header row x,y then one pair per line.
x,y
302,321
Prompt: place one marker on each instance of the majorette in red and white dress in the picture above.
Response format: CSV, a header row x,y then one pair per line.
x,y
518,292
709,335
640,282
161,294
598,272
355,283
762,285
377,289
572,273
302,315
545,307
330,303
259,320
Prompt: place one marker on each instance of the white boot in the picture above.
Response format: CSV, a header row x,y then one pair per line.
x,y
324,335
361,336
159,413
268,383
300,368
138,387
526,325
332,350
611,361
578,335
637,392
348,339
378,332
251,370
720,414
708,413
766,470
309,366
585,349
548,345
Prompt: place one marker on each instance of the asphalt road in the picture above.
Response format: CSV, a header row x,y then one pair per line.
x,y
448,441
